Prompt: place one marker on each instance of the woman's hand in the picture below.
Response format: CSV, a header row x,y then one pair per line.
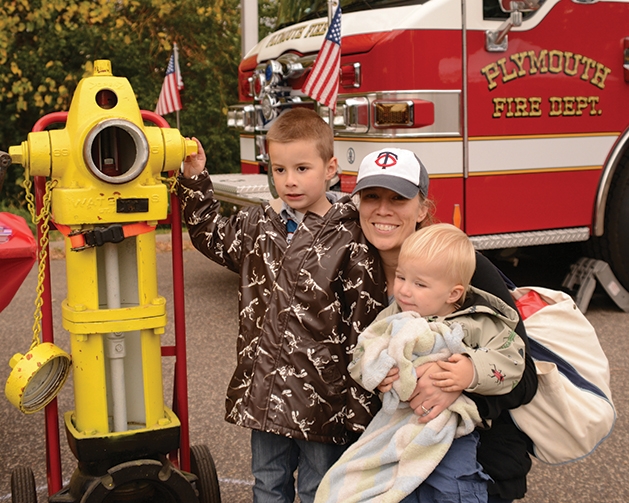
x,y
194,164
428,401
387,382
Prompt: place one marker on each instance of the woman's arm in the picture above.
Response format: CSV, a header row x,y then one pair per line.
x,y
488,278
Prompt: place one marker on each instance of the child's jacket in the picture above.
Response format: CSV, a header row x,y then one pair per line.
x,y
494,347
302,308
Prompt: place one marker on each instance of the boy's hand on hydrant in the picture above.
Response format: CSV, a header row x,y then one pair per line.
x,y
194,164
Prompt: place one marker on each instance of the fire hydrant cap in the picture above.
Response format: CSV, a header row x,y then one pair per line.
x,y
17,154
37,377
102,67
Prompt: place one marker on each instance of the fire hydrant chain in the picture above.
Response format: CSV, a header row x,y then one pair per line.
x,y
44,219
171,182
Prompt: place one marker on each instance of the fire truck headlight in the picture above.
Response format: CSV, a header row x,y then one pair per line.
x,y
273,72
258,83
269,107
393,114
408,113
235,117
249,118
242,117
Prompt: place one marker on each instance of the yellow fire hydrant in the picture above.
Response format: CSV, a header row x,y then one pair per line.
x,y
107,201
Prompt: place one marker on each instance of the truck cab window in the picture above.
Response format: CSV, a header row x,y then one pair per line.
x,y
492,11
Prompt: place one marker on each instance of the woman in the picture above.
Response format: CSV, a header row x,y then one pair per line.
x,y
392,186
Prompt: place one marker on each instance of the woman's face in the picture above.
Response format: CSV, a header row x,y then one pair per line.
x,y
387,218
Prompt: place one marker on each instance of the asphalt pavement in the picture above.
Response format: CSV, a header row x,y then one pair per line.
x,y
211,327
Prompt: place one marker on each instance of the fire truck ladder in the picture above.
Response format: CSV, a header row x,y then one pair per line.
x,y
586,272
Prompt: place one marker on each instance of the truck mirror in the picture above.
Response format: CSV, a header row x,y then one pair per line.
x,y
496,41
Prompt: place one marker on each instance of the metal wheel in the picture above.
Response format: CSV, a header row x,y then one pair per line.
x,y
202,465
613,245
140,481
23,485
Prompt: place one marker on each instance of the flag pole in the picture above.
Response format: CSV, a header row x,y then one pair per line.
x,y
178,76
331,4
322,83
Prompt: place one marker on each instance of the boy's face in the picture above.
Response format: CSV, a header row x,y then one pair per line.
x,y
425,288
301,175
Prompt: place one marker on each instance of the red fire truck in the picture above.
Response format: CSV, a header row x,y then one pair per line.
x,y
519,109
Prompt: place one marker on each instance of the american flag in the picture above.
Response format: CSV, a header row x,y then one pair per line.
x,y
323,81
169,100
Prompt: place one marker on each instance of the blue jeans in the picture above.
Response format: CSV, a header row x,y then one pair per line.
x,y
275,458
458,478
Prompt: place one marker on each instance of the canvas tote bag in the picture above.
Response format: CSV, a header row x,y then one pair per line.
x,y
572,411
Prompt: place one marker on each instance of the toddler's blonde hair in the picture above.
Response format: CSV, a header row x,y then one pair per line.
x,y
445,245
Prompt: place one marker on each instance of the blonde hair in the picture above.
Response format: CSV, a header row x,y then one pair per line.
x,y
443,244
431,210
303,124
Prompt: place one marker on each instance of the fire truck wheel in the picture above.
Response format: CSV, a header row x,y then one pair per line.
x,y
613,246
23,486
202,465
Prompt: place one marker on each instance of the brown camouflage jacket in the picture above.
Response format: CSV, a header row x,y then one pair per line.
x,y
302,307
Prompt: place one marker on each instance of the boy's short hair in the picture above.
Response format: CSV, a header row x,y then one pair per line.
x,y
303,124
446,245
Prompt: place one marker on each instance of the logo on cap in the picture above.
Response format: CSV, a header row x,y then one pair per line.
x,y
386,160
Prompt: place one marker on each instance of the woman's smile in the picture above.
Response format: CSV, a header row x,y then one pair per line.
x,y
385,227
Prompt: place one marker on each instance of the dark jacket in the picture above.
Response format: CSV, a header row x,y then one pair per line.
x,y
302,307
503,448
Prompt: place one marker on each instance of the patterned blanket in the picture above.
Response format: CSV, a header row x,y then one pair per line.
x,y
396,453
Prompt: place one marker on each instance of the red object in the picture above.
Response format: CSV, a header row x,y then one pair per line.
x,y
180,393
495,204
545,120
322,84
17,256
53,444
169,100
530,303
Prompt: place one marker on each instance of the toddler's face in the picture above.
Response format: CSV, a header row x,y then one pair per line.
x,y
424,288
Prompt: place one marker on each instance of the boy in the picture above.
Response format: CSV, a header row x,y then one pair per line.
x,y
309,284
437,315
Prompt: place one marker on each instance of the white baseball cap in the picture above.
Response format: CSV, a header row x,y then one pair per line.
x,y
396,169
